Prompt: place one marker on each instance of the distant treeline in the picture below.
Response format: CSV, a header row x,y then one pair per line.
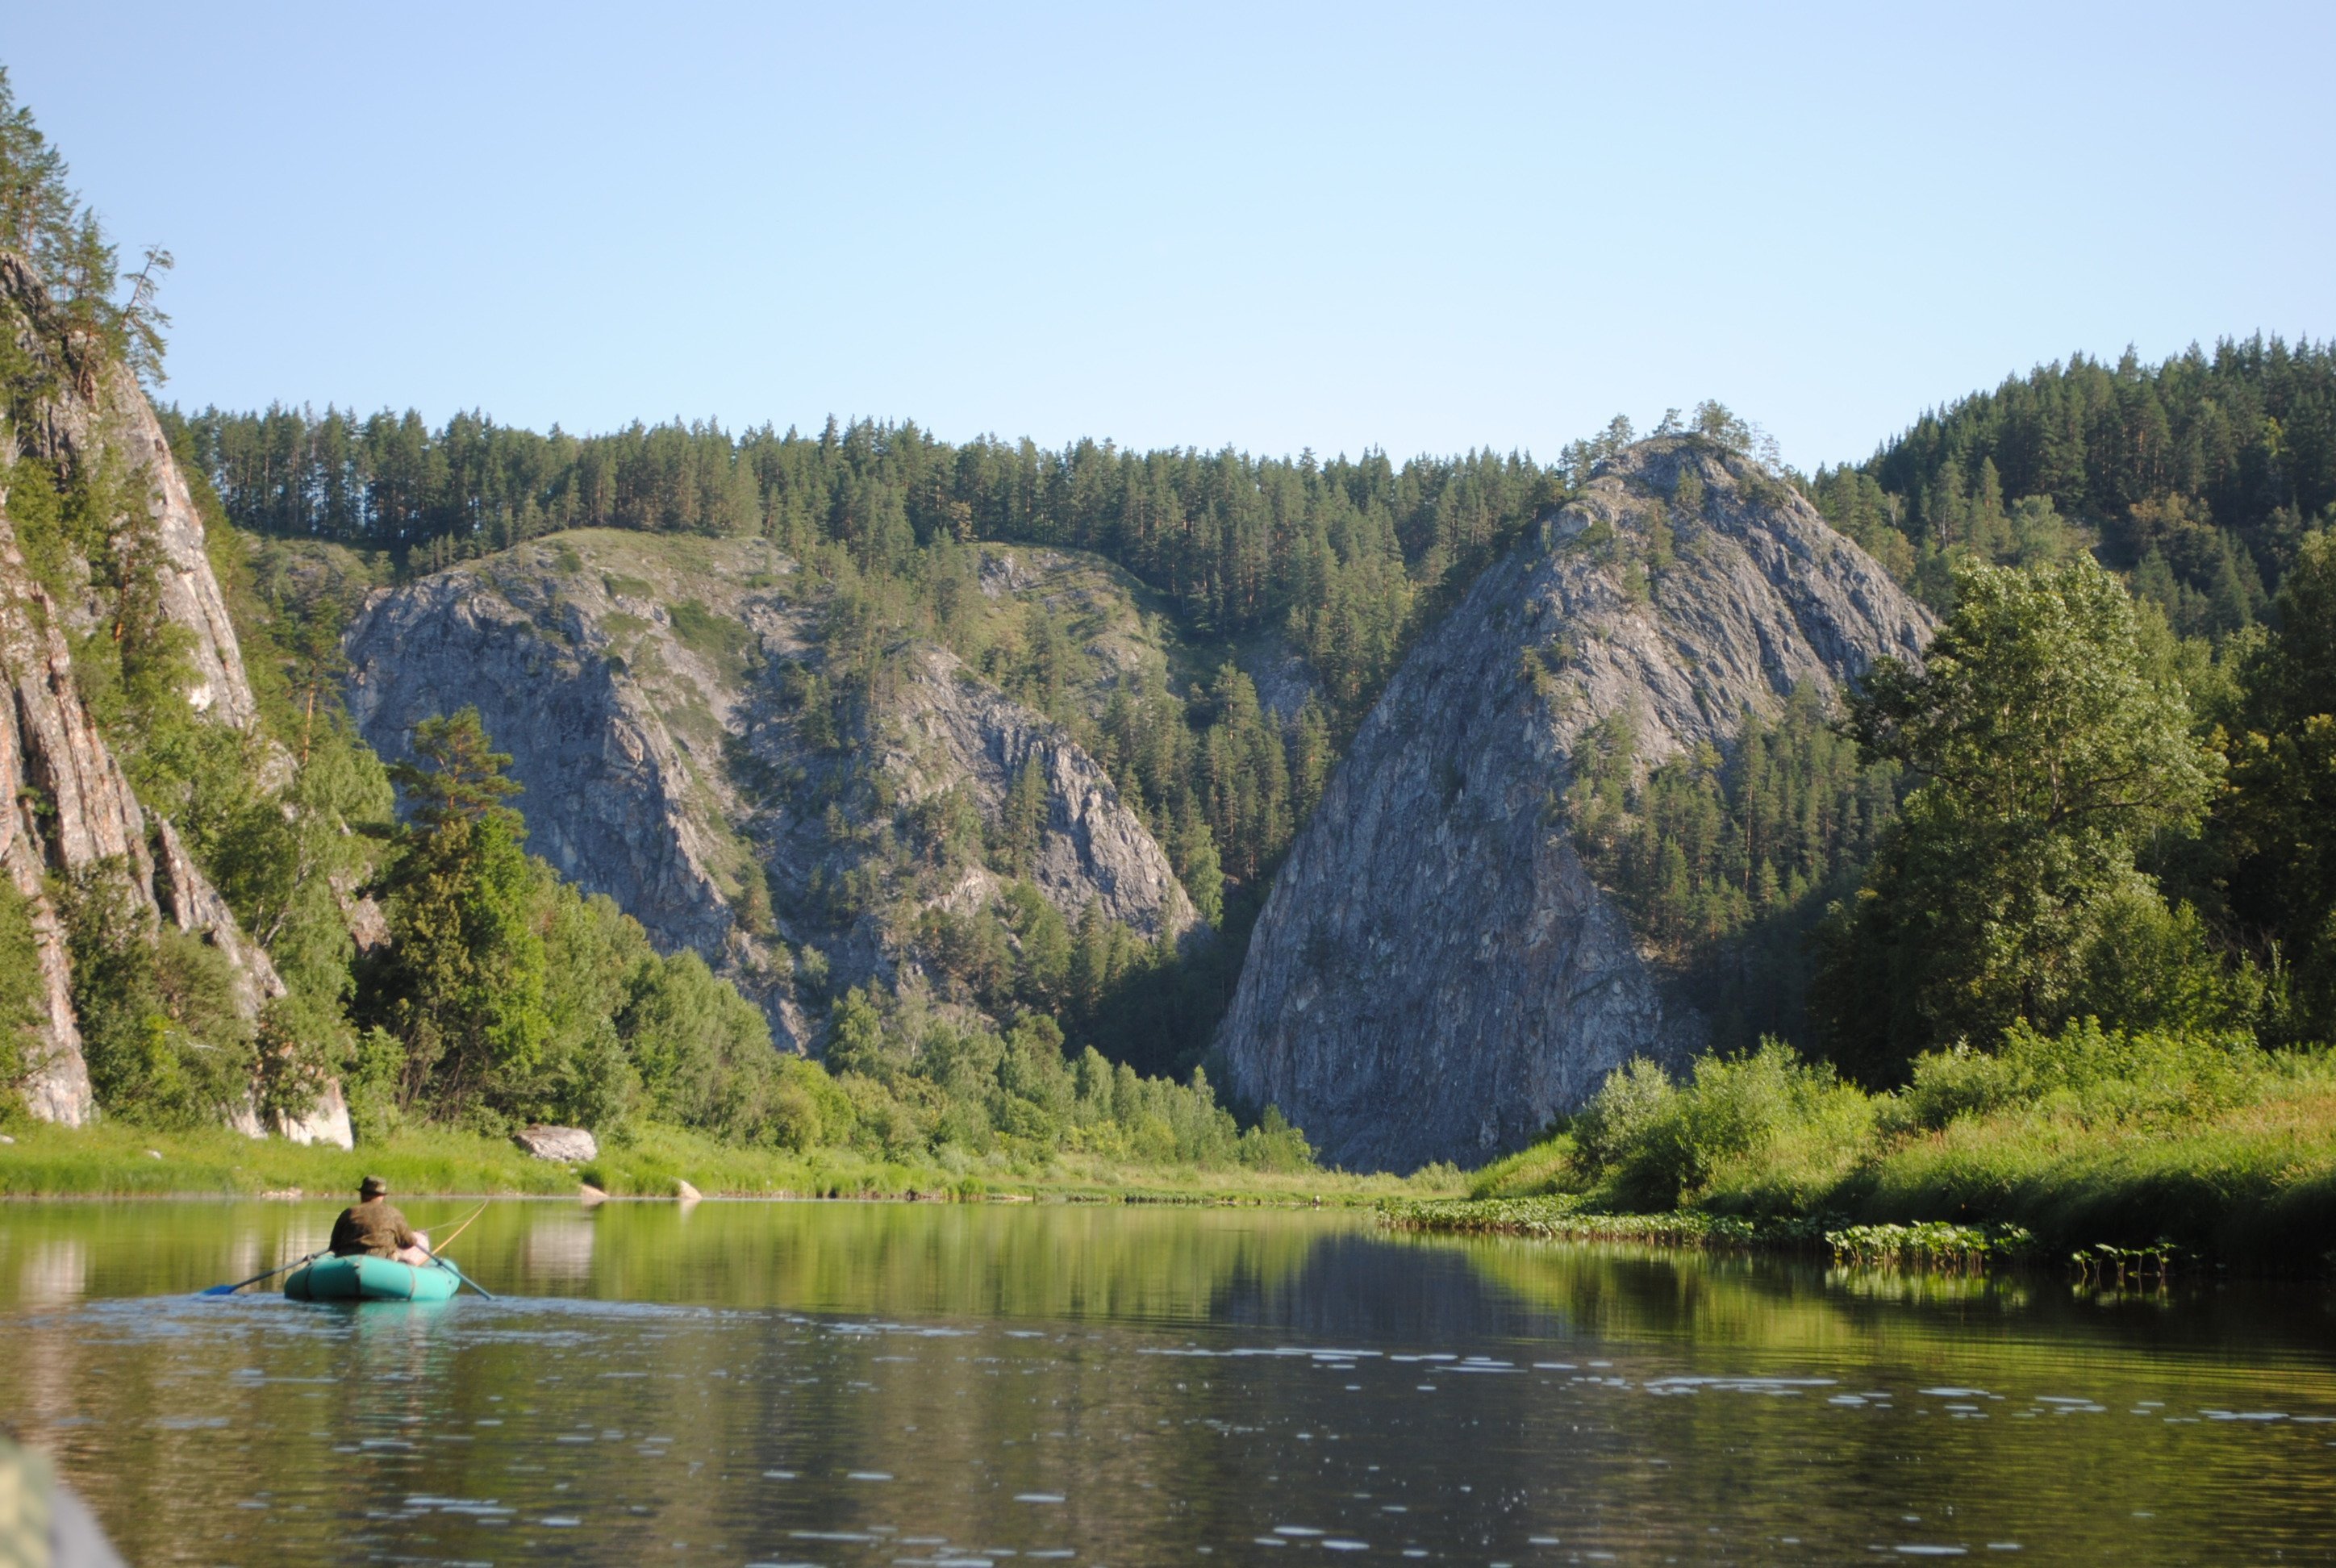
x,y
1237,542
2197,478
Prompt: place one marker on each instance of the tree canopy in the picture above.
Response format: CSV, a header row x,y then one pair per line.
x,y
2043,751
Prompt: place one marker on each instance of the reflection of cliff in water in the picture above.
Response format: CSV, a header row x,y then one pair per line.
x,y
1361,1289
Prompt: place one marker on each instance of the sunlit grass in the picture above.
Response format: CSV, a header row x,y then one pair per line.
x,y
110,1160
2221,1152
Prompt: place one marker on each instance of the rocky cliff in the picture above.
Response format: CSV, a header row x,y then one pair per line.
x,y
1435,975
686,750
70,805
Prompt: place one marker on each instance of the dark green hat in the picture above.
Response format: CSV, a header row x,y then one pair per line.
x,y
371,1187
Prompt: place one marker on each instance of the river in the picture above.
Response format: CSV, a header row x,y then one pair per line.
x,y
916,1384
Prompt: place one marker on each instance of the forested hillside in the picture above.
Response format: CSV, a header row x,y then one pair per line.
x,y
1291,587
2197,478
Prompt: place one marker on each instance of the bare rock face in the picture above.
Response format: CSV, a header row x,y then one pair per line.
x,y
115,420
641,684
567,1145
186,897
69,804
1435,975
959,732
608,780
71,808
190,589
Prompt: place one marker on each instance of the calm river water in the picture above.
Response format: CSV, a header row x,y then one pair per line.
x,y
895,1384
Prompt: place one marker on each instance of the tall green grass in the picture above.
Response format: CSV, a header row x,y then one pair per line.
x,y
2085,1137
112,1161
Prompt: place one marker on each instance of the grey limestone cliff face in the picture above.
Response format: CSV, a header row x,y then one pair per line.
x,y
606,778
956,731
615,724
1435,975
69,805
114,421
640,682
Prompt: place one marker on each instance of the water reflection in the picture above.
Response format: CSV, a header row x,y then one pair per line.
x,y
883,1384
54,1272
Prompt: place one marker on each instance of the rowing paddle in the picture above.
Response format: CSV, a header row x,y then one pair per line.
x,y
239,1285
448,1264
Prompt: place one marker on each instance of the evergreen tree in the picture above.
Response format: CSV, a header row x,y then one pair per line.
x,y
463,983
2276,828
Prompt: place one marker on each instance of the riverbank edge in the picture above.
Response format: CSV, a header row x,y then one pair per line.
x,y
1951,1245
114,1161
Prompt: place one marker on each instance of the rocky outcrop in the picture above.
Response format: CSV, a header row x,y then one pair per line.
x,y
616,725
104,413
649,691
609,782
186,898
67,806
70,807
1435,975
189,589
567,1145
958,732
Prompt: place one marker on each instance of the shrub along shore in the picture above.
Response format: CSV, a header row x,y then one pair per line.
x,y
2136,1148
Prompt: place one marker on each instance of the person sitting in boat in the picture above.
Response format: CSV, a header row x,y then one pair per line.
x,y
373,1228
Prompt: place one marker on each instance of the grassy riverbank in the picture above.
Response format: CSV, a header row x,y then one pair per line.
x,y
114,1161
2083,1140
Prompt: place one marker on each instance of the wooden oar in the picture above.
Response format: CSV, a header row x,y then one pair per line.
x,y
239,1285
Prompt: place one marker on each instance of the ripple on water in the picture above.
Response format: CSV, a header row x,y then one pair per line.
x,y
738,1395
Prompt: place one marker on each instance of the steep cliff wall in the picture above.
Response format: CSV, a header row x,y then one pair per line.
x,y
955,731
69,805
1435,975
648,689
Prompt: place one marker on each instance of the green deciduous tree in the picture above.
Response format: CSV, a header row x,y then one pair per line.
x,y
2043,751
165,1044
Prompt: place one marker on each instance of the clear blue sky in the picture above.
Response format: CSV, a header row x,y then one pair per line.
x,y
1342,226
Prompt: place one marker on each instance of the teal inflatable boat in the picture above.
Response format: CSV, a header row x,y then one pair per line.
x,y
363,1278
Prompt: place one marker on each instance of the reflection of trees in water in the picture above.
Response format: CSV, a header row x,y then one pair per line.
x,y
825,1337
1790,1306
139,1248
1354,1288
1053,1262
